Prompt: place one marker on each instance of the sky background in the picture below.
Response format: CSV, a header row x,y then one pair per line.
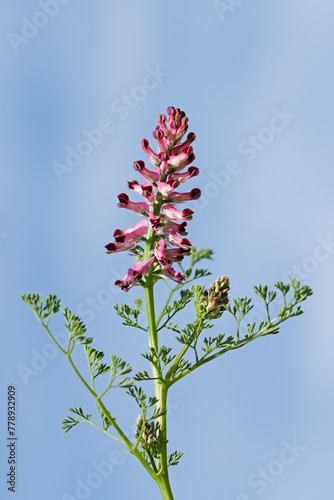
x,y
232,67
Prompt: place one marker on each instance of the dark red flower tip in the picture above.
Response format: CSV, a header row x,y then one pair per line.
x,y
171,111
139,165
187,212
119,236
158,133
111,247
123,199
185,243
193,171
164,156
196,193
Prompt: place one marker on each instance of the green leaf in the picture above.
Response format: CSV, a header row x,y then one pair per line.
x,y
69,422
174,458
94,358
76,328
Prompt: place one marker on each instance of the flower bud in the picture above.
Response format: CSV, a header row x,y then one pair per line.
x,y
148,434
216,297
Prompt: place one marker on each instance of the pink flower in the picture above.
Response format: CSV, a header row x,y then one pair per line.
x,y
148,175
192,172
133,233
155,221
145,190
180,197
165,188
134,275
152,156
139,208
173,213
164,160
177,167
175,239
162,121
176,254
119,247
159,135
178,228
170,273
180,157
166,267
160,252
180,147
178,123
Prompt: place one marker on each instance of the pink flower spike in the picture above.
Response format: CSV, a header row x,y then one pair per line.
x,y
140,208
192,172
181,197
133,233
165,188
134,275
148,175
172,212
152,156
145,190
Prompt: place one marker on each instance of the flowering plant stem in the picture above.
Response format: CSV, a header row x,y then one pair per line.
x,y
164,246
160,386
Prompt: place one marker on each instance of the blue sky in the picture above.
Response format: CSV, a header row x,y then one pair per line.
x,y
256,81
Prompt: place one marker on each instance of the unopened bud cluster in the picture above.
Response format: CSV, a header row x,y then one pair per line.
x,y
216,297
148,434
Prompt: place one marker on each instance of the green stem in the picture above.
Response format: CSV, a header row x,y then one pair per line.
x,y
161,315
163,481
50,334
237,345
119,431
160,387
103,430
